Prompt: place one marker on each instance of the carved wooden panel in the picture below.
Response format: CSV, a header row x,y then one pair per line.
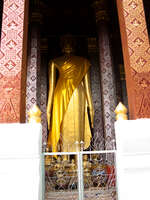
x,y
136,51
108,86
33,70
44,92
13,40
98,142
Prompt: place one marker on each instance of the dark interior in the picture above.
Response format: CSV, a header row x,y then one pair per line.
x,y
76,18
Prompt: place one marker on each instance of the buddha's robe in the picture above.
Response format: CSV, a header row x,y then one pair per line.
x,y
69,119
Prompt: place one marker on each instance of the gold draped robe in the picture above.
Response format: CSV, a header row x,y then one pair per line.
x,y
69,101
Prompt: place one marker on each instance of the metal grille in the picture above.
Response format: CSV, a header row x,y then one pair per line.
x,y
80,175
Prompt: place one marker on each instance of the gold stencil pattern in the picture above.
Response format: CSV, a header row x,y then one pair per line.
x,y
136,50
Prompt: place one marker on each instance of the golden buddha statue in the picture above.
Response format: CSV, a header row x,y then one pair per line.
x,y
69,100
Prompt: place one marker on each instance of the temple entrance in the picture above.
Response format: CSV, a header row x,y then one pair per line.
x,y
101,48
47,26
96,30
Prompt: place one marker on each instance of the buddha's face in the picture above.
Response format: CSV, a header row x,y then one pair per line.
x,y
67,44
67,48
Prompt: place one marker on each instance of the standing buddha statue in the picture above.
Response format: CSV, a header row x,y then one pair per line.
x,y
69,100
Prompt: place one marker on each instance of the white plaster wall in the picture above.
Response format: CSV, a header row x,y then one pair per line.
x,y
133,159
20,162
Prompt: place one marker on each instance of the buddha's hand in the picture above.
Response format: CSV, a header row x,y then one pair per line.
x,y
92,117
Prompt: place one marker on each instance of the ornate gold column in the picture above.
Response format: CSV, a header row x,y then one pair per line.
x,y
106,72
136,52
13,61
43,88
98,142
33,70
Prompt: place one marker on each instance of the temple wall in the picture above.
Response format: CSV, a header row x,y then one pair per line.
x,y
21,162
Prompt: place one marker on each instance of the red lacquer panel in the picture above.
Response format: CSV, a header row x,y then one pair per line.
x,y
13,61
136,50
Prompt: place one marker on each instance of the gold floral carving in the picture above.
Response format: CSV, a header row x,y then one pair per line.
x,y
136,23
138,42
133,5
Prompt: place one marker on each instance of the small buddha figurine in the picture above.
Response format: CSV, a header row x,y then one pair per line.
x,y
73,168
86,165
58,164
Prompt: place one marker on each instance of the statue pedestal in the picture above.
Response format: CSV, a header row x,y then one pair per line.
x,y
20,161
133,158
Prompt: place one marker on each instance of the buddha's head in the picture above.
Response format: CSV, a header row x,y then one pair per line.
x,y
67,44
